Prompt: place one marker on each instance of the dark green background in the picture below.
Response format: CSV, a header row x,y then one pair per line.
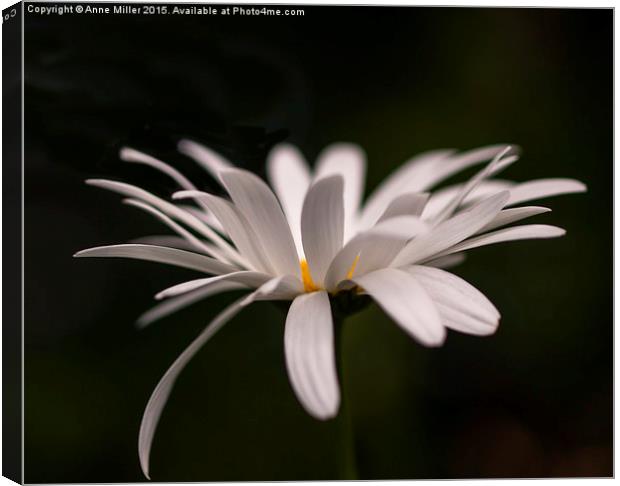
x,y
533,400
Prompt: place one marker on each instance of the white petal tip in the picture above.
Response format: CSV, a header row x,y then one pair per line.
x,y
580,187
144,465
488,330
141,324
573,186
127,154
98,182
436,343
326,416
555,232
184,144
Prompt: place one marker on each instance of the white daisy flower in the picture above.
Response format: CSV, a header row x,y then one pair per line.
x,y
313,243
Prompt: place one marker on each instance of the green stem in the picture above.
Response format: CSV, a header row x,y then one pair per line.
x,y
348,460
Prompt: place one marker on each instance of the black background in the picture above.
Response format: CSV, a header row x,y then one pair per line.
x,y
533,400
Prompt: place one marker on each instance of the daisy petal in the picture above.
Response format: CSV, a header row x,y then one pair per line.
x,y
461,306
167,208
196,243
441,198
235,225
202,215
379,245
401,296
210,160
349,161
322,224
409,204
131,155
448,261
400,182
386,239
525,232
508,216
263,213
542,188
451,231
310,354
285,287
460,162
170,241
399,227
249,279
344,260
161,254
159,397
289,175
496,165
179,302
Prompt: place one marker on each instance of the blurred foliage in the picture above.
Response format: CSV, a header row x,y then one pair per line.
x,y
533,400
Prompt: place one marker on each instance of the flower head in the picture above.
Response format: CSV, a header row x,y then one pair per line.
x,y
309,239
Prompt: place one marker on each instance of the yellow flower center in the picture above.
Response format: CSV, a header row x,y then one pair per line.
x,y
352,269
306,276
309,285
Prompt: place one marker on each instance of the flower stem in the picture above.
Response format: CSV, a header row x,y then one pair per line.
x,y
348,462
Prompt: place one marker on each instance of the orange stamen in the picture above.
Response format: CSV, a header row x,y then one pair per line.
x,y
306,277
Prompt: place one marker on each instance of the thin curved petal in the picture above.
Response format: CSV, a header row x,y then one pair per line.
x,y
289,175
235,225
161,254
402,297
204,216
159,397
422,173
135,156
524,232
447,261
401,181
451,231
249,279
322,224
409,204
132,155
263,213
512,215
310,354
441,198
541,188
462,161
195,243
167,208
285,287
348,160
179,302
171,241
496,165
210,160
461,306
